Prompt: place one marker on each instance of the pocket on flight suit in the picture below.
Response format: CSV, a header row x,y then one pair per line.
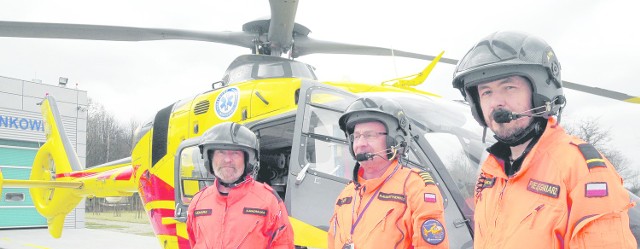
x,y
381,223
599,231
249,233
530,219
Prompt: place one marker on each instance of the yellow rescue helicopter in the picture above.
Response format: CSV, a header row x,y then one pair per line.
x,y
304,154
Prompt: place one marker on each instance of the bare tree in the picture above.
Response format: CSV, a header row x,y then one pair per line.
x,y
591,131
107,139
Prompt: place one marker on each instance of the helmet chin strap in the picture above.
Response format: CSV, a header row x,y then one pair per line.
x,y
240,180
535,128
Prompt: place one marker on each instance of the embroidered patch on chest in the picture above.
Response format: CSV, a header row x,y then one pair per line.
x,y
202,212
483,182
596,189
255,211
429,197
489,182
346,200
543,188
392,197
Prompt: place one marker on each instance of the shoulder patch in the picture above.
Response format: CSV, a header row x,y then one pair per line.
x,y
591,156
432,231
596,189
430,197
426,177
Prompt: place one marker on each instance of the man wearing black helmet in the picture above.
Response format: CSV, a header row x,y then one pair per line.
x,y
540,187
236,211
387,205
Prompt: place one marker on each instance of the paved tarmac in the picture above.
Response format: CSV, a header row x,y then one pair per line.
x,y
74,238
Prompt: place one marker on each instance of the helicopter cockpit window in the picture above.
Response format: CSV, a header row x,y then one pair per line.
x,y
193,175
326,147
454,136
303,71
238,74
260,67
461,168
270,70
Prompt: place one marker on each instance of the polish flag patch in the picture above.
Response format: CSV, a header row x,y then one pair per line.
x,y
429,197
596,189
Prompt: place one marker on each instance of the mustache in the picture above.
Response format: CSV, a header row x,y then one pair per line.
x,y
493,113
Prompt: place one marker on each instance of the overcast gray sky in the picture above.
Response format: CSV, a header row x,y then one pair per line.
x,y
597,43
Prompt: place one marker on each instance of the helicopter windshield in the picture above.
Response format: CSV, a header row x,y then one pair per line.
x,y
452,133
252,67
448,128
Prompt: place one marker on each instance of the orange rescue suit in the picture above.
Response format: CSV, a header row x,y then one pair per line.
x,y
406,211
565,195
252,215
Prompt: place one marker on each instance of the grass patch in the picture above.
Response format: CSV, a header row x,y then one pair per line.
x,y
95,225
123,216
149,234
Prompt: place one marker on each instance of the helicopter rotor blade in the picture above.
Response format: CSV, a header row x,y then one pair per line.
x,y
283,15
117,33
602,92
306,46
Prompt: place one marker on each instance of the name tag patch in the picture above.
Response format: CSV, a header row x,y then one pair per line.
x,y
596,189
255,211
392,197
343,201
544,188
202,212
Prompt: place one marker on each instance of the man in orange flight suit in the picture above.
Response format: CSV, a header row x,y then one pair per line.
x,y
236,211
540,187
387,205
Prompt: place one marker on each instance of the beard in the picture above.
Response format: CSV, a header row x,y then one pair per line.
x,y
511,130
227,174
505,132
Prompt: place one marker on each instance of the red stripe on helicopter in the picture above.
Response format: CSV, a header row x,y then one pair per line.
x,y
183,243
125,175
75,174
155,215
154,188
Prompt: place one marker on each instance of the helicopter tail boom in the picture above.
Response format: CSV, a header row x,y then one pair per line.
x,y
58,182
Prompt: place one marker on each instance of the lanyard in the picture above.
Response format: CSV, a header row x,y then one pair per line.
x,y
355,224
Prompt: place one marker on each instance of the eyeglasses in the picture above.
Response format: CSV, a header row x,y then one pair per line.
x,y
367,135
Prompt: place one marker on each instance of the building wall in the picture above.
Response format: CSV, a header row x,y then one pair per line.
x,y
22,133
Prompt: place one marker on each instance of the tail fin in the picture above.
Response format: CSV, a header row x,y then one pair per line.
x,y
55,161
419,78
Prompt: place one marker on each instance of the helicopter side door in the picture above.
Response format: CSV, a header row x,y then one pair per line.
x,y
321,164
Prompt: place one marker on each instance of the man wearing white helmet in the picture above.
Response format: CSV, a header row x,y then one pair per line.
x,y
236,211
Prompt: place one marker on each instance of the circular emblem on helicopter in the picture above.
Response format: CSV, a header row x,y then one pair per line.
x,y
227,103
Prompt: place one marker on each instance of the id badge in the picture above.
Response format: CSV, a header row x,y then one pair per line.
x,y
348,246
